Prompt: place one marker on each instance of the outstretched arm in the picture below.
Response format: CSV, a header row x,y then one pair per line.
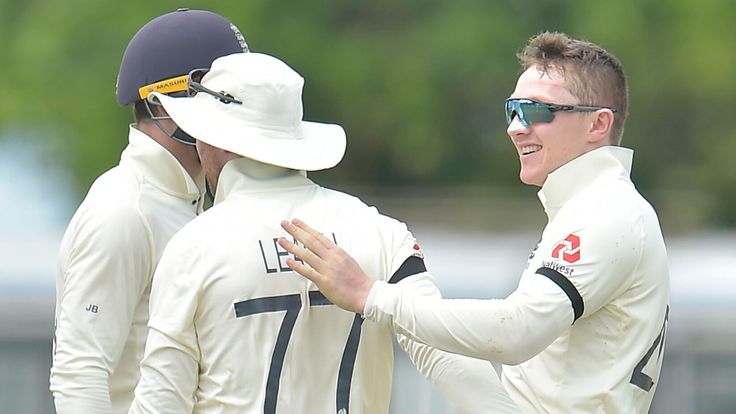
x,y
509,330
470,385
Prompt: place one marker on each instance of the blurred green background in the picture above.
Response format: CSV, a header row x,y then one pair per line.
x,y
418,86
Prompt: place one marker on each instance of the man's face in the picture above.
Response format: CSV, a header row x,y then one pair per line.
x,y
545,146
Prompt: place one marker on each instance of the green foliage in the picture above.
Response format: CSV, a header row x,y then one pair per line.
x,y
418,85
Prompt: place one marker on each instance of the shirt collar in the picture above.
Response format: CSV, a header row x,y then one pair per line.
x,y
159,167
572,178
244,175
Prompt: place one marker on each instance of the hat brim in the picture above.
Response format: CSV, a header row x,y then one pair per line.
x,y
314,146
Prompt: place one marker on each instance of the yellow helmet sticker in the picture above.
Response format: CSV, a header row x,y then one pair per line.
x,y
179,83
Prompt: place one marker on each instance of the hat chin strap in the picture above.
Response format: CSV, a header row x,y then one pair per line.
x,y
183,137
177,135
210,192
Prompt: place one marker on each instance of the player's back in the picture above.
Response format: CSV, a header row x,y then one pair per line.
x,y
268,340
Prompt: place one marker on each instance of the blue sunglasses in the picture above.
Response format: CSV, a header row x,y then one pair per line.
x,y
531,112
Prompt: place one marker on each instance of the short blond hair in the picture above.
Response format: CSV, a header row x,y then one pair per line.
x,y
591,73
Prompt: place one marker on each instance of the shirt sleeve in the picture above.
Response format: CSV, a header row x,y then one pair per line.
x,y
170,365
449,373
470,385
399,244
168,377
584,269
108,268
509,330
593,263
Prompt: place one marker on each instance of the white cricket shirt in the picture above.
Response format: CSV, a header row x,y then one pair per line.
x,y
584,330
105,265
234,330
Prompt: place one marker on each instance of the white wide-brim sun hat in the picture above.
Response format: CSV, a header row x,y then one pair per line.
x,y
267,125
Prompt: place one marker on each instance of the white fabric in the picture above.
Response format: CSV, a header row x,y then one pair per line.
x,y
470,385
105,264
267,125
621,274
202,358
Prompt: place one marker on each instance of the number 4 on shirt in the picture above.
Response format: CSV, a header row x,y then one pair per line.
x,y
638,377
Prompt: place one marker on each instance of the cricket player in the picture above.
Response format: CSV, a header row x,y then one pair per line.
x,y
585,329
114,241
235,330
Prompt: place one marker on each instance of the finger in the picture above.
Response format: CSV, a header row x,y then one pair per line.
x,y
306,271
326,242
312,259
306,238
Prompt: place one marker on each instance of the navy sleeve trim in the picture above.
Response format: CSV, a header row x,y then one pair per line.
x,y
413,265
564,283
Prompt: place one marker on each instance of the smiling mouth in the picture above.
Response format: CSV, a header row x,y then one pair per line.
x,y
530,149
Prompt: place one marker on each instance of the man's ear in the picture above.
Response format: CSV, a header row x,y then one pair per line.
x,y
600,128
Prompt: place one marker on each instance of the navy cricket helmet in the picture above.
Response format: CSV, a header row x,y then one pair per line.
x,y
166,49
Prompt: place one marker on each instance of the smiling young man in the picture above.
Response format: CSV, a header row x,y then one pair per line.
x,y
584,331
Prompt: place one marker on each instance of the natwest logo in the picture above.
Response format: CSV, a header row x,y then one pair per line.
x,y
418,251
568,249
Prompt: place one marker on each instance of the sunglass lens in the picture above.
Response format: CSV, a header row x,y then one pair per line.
x,y
513,109
537,112
528,111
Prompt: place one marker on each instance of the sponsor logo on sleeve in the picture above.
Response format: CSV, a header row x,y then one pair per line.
x,y
558,267
568,249
418,251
